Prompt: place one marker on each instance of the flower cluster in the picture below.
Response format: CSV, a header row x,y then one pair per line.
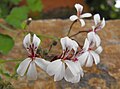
x,y
69,63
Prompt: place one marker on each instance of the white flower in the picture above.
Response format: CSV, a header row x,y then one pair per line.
x,y
74,78
64,67
92,36
29,64
79,15
57,68
88,55
117,5
98,23
68,44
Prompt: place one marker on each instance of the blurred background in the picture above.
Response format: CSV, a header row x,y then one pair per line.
x,y
14,12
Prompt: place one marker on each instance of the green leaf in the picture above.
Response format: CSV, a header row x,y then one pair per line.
x,y
17,16
15,1
34,5
0,78
3,10
5,73
23,25
6,43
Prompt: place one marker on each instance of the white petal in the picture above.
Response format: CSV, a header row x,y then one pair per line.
x,y
90,36
96,57
69,44
73,64
89,62
103,23
85,15
63,43
42,63
32,72
86,45
92,40
75,45
82,58
60,74
73,68
73,17
82,22
68,75
77,63
79,7
36,41
97,40
99,50
81,72
27,40
97,19
53,67
75,79
23,66
66,43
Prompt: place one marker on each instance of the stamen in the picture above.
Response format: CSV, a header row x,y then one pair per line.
x,y
75,59
35,47
30,46
90,49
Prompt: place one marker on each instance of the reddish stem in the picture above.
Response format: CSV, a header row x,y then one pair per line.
x,y
71,27
78,33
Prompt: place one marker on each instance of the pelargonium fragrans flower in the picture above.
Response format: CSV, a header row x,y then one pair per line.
x,y
89,54
79,15
29,64
66,66
92,35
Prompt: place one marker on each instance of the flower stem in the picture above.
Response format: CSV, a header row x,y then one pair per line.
x,y
5,27
78,43
78,33
71,27
48,36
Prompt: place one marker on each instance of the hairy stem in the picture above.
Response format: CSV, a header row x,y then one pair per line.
x,y
78,33
78,43
71,27
50,48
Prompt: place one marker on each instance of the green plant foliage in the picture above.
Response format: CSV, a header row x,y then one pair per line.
x,y
105,8
4,73
23,25
5,7
17,16
3,10
6,43
14,1
34,5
